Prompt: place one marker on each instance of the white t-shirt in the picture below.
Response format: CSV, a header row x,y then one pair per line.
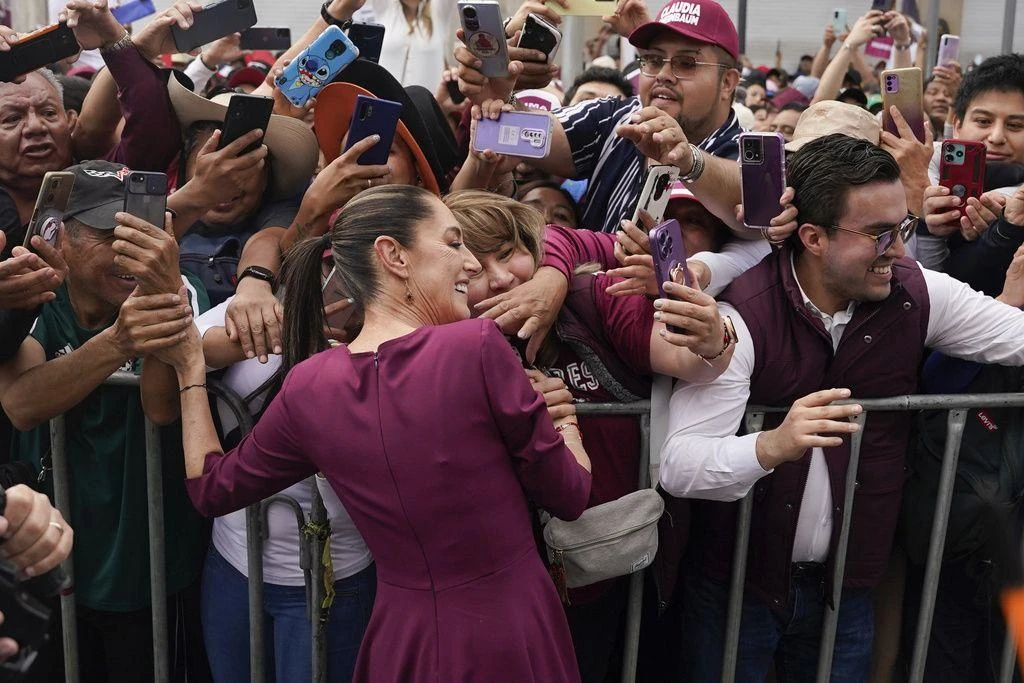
x,y
414,58
281,547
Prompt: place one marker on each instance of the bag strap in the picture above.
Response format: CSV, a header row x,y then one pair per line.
x,y
661,393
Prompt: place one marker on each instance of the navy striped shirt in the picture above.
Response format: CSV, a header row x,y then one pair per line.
x,y
614,165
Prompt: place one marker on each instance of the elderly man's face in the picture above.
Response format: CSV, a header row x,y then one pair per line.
x,y
35,132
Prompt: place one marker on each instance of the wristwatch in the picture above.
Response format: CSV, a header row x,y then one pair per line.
x,y
343,24
259,273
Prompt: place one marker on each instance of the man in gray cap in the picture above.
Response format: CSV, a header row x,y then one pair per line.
x,y
116,307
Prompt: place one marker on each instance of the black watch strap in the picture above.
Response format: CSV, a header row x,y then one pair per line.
x,y
259,273
328,19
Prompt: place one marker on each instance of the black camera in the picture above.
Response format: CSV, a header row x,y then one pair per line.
x,y
661,185
753,150
26,616
469,14
664,244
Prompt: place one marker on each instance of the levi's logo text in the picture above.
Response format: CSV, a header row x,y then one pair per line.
x,y
681,13
987,421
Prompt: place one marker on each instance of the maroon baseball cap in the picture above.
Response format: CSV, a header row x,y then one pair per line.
x,y
702,20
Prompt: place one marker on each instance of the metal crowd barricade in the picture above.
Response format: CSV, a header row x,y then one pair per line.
x,y
642,410
255,520
312,551
957,407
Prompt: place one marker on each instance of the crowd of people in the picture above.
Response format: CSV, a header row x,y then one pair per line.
x,y
411,340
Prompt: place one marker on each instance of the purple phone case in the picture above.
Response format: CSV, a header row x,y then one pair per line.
x,y
515,133
763,181
669,253
381,119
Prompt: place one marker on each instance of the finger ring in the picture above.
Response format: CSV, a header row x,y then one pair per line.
x,y
58,526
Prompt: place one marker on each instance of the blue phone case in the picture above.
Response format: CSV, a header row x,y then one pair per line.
x,y
372,116
515,133
316,66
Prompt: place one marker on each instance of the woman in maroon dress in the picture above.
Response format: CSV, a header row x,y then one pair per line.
x,y
432,437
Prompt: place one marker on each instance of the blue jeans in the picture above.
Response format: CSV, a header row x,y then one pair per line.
x,y
225,616
789,640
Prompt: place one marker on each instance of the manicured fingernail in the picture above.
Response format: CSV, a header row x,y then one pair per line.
x,y
659,303
250,354
657,315
277,350
662,332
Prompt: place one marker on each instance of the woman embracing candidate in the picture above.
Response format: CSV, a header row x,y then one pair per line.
x,y
432,436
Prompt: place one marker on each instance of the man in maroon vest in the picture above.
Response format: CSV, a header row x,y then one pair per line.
x,y
839,305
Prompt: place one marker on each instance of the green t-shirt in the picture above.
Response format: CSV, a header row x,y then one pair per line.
x,y
106,455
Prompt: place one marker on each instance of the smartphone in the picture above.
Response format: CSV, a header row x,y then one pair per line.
x,y
962,169
902,87
246,113
38,49
51,203
949,50
839,20
454,92
484,32
883,5
656,192
372,116
316,66
762,177
516,133
127,12
540,35
669,254
368,38
332,294
266,38
145,196
215,21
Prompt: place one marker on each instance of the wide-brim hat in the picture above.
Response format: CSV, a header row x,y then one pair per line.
x,y
291,144
422,125
831,116
702,20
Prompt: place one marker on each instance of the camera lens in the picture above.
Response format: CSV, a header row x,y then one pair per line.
x,y
748,154
949,157
960,153
137,178
469,12
49,197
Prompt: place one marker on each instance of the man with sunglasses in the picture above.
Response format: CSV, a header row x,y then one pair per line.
x,y
682,116
838,311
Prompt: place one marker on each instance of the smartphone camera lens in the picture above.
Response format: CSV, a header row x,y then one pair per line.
x,y
949,157
469,12
665,245
137,178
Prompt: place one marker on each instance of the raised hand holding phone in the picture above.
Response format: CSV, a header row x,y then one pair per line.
x,y
316,66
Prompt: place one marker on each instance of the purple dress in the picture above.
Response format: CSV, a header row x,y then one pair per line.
x,y
431,443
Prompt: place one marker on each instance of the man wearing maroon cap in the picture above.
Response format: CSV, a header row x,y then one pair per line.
x,y
682,116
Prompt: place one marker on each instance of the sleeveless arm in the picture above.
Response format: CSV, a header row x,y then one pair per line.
x,y
546,468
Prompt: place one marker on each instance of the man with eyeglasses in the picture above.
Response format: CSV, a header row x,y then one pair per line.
x,y
837,312
682,116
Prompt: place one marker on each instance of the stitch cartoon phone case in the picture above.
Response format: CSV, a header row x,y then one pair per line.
x,y
515,133
316,66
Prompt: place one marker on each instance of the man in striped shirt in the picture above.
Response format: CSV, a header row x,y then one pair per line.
x,y
682,116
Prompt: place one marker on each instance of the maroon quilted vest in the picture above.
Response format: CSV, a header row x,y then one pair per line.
x,y
878,356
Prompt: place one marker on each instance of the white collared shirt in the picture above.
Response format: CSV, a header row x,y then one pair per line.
x,y
702,457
